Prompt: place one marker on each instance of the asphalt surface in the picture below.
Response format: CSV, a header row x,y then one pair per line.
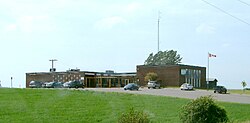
x,y
176,92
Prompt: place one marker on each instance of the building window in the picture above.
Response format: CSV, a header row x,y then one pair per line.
x,y
192,76
183,71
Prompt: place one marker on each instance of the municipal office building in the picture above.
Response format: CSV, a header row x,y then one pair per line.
x,y
168,76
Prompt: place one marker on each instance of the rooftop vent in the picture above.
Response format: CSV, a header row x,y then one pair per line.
x,y
110,71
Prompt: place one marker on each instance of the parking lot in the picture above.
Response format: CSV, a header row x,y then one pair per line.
x,y
176,92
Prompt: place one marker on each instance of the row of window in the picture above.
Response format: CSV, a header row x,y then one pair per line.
x,y
64,78
192,76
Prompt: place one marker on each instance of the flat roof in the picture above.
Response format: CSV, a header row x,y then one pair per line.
x,y
64,72
174,65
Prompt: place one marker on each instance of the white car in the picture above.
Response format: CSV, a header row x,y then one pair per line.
x,y
186,86
153,84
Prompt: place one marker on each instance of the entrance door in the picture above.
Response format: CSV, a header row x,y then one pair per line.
x,y
126,81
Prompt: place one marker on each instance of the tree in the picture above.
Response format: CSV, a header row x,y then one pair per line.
x,y
151,76
163,58
203,110
244,84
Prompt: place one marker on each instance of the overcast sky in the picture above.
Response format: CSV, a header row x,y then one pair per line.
x,y
99,35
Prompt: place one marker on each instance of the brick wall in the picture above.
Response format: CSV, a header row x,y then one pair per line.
x,y
168,75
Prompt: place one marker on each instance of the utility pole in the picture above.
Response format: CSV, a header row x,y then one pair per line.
x,y
158,33
11,82
53,69
52,61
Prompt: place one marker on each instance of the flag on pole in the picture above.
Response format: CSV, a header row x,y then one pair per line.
x,y
211,55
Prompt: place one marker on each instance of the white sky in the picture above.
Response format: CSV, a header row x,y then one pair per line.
x,y
97,35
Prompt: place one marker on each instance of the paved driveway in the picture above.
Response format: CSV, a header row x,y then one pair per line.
x,y
175,92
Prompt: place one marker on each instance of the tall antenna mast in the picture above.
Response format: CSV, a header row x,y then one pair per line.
x,y
158,31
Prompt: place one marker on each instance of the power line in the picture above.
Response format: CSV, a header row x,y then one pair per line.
x,y
226,13
244,2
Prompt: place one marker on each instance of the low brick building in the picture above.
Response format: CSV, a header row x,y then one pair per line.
x,y
174,75
168,75
90,79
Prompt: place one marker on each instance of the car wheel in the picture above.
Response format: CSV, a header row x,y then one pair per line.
x,y
214,91
148,87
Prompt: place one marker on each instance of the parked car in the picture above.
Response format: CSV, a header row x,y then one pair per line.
x,y
131,86
53,85
44,84
66,84
49,85
153,84
35,84
186,86
220,89
58,85
73,84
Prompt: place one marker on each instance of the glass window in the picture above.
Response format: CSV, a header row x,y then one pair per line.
x,y
183,71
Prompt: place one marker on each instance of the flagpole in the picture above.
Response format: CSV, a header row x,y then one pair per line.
x,y
207,70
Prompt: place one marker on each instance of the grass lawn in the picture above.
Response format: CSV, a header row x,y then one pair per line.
x,y
239,91
62,105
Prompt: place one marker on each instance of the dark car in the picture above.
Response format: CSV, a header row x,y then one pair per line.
x,y
220,89
58,85
53,85
131,86
73,84
35,84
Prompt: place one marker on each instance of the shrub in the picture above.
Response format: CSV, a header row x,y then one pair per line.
x,y
151,76
133,116
203,110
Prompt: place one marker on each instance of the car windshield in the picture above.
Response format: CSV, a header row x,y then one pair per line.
x,y
130,84
220,86
33,83
152,82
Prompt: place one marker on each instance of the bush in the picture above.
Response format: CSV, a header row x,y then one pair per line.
x,y
203,110
151,77
133,116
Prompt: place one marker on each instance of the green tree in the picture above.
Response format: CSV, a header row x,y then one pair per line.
x,y
151,76
163,58
244,84
203,110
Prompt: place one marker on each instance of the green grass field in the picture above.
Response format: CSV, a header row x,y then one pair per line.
x,y
239,91
57,106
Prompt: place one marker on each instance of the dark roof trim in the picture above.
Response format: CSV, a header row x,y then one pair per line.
x,y
181,65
